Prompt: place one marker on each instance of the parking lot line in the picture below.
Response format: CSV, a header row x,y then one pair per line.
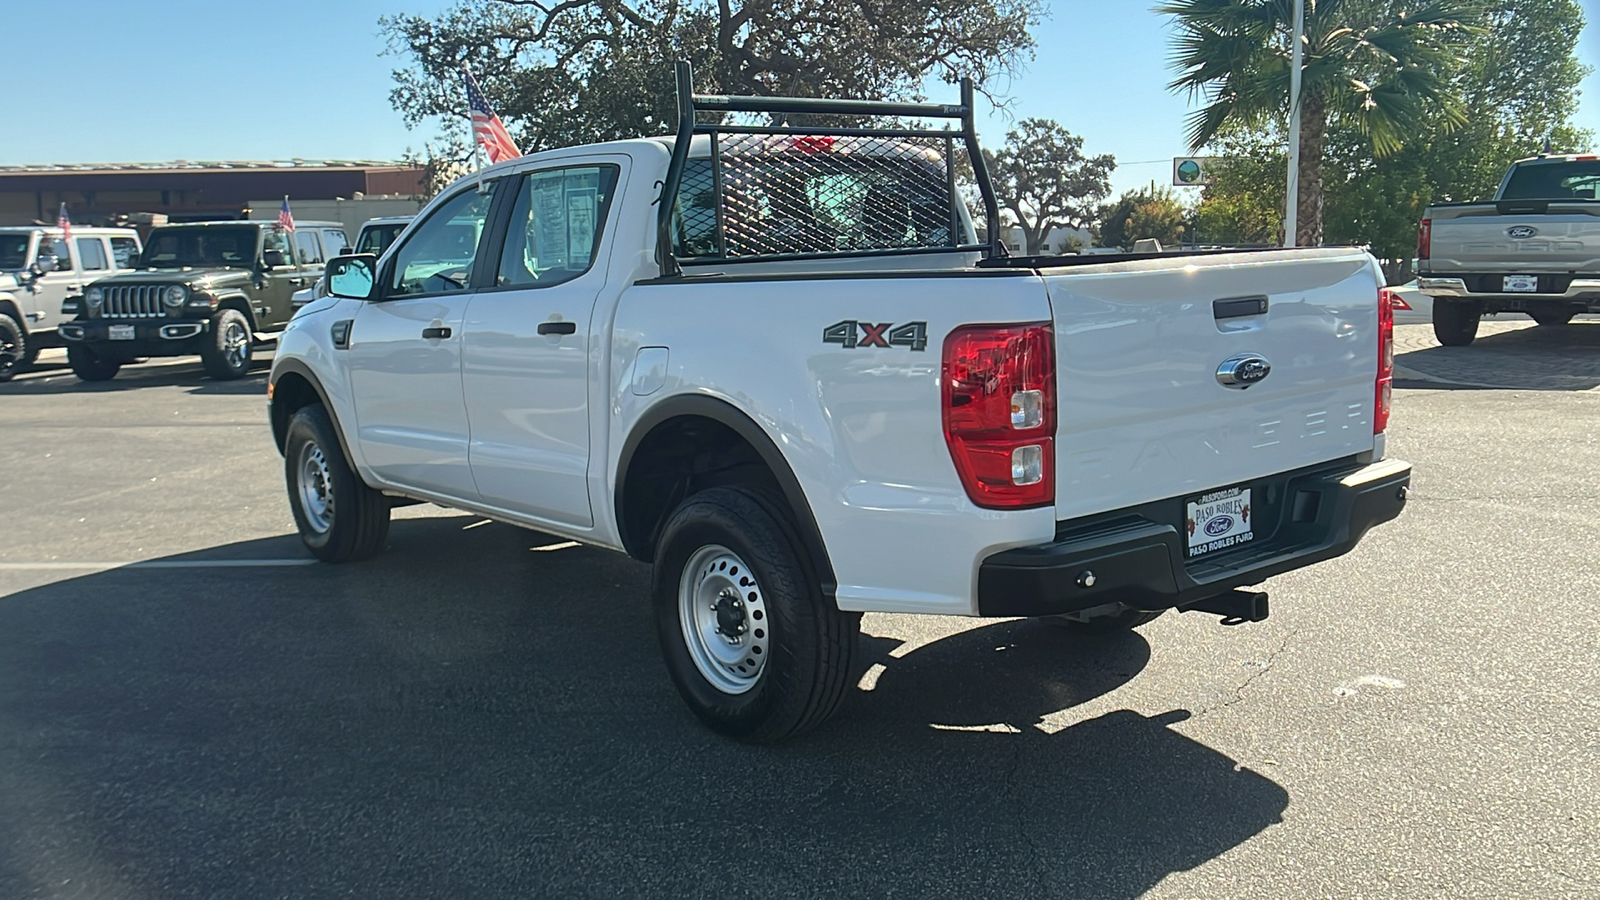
x,y
160,564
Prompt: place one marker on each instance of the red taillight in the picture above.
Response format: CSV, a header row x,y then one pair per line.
x,y
1385,386
999,391
812,143
1398,302
1425,239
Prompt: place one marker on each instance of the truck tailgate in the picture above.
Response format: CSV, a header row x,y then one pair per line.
x,y
1142,413
1551,237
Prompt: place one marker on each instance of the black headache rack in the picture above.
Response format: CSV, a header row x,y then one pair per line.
x,y
771,192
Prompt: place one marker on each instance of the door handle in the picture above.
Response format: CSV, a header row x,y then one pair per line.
x,y
558,327
297,282
436,334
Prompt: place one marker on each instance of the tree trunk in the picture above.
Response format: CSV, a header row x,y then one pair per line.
x,y
1313,134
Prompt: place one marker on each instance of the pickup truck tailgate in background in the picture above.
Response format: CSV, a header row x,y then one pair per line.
x,y
1477,238
1142,413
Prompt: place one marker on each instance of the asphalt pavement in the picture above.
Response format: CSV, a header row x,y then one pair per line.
x,y
190,707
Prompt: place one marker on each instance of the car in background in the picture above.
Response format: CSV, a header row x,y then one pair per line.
x,y
1411,306
375,237
40,271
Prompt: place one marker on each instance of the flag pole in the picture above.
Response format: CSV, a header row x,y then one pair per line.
x,y
477,159
1291,219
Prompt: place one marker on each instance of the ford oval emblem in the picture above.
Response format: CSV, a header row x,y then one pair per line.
x,y
1522,232
1243,370
1219,526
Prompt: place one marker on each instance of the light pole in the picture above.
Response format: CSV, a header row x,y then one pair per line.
x,y
1291,219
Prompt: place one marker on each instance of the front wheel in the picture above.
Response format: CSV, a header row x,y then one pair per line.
x,y
1552,317
14,353
754,647
89,365
1455,323
339,517
226,353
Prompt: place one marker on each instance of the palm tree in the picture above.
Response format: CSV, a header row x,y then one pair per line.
x,y
1378,66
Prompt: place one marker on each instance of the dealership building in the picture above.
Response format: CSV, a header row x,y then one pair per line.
x,y
152,193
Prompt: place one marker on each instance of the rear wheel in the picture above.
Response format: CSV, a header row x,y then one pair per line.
x,y
14,355
1552,317
1455,322
226,355
339,517
754,647
89,365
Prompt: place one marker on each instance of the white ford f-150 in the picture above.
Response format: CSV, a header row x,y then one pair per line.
x,y
803,390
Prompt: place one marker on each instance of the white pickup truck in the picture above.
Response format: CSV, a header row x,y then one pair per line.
x,y
803,390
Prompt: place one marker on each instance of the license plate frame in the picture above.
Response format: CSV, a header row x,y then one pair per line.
x,y
1520,284
120,333
1217,521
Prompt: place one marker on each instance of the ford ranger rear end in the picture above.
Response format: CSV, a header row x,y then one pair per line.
x,y
803,389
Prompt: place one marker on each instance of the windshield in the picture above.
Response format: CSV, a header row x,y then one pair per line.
x,y
171,248
1576,180
13,251
376,238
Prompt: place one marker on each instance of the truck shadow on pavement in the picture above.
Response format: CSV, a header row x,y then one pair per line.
x,y
58,379
1564,358
471,716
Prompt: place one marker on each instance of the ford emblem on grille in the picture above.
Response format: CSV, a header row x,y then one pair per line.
x,y
1242,371
1522,232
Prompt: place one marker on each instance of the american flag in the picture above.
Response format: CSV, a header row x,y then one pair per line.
x,y
486,126
64,223
285,218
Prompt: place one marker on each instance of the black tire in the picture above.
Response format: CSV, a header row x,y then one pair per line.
x,y
1455,323
809,660
14,350
1553,318
226,353
350,520
89,366
1116,623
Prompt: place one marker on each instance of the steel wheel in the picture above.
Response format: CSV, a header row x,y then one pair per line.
x,y
724,618
316,488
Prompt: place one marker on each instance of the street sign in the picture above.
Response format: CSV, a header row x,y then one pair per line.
x,y
1191,171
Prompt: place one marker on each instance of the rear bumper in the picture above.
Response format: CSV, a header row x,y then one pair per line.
x,y
1584,289
1137,556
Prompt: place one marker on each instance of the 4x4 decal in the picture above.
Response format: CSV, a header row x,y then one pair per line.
x,y
851,334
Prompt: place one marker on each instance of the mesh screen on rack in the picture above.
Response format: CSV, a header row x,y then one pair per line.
x,y
807,194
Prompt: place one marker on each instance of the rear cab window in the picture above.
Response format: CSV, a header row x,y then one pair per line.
x,y
1565,180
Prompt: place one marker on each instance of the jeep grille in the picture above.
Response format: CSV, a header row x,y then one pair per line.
x,y
134,301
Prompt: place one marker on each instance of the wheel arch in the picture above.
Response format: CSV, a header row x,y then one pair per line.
x,y
8,306
241,303
702,419
292,388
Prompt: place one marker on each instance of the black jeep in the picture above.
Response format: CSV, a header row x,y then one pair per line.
x,y
212,288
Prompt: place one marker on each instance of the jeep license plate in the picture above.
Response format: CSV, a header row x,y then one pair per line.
x,y
1522,284
120,333
1219,520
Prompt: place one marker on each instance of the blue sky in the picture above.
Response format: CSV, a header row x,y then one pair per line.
x,y
307,79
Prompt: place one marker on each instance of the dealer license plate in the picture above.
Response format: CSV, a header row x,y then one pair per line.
x,y
120,332
1522,284
1219,520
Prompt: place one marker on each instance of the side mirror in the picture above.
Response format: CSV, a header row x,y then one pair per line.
x,y
352,277
273,258
45,264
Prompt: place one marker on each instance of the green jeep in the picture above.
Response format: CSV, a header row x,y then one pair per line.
x,y
212,288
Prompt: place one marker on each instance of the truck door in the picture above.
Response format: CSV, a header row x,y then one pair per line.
x,y
44,294
405,353
528,349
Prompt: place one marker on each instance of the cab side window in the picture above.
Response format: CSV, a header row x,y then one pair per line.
x,y
93,254
125,251
308,250
555,225
62,253
333,242
438,256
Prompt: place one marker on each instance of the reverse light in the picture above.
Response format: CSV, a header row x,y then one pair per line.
x,y
998,388
1383,394
1425,239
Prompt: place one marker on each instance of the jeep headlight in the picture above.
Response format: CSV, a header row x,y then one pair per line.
x,y
175,295
96,297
